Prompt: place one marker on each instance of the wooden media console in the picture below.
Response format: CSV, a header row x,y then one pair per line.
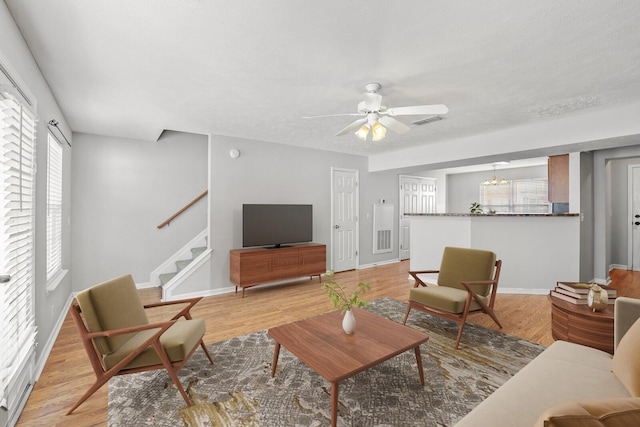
x,y
255,266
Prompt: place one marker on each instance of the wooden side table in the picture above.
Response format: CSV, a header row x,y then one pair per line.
x,y
580,325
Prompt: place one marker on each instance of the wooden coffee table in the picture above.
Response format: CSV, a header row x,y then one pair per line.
x,y
323,346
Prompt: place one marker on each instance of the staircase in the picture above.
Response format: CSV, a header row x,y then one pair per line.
x,y
181,265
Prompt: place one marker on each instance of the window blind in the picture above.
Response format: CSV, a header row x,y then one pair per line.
x,y
17,176
54,207
517,196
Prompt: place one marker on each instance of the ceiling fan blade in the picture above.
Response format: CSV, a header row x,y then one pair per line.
x,y
418,110
371,102
334,115
394,125
352,127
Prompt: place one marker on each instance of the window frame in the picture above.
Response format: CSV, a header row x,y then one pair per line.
x,y
513,194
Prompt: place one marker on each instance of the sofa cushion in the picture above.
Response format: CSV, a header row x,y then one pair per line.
x,y
620,412
178,341
563,372
626,363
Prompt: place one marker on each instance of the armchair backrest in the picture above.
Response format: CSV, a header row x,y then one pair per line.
x,y
113,304
465,265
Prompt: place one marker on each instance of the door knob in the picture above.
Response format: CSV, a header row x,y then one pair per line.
x,y
336,226
637,216
636,223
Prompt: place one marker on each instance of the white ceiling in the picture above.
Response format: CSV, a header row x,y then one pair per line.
x,y
253,69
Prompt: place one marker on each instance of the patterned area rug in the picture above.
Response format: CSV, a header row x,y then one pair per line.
x,y
238,389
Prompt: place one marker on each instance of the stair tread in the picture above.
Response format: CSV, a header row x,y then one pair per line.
x,y
166,277
197,251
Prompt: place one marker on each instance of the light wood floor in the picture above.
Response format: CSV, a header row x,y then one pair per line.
x,y
67,373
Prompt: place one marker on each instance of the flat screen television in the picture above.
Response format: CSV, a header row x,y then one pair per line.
x,y
276,225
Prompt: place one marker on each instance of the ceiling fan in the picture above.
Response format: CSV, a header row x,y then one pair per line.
x,y
377,117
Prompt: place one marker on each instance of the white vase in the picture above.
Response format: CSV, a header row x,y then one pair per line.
x,y
349,322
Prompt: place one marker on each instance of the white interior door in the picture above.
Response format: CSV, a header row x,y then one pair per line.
x,y
417,195
634,217
344,208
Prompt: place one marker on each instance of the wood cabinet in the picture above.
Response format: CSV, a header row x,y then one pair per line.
x,y
255,266
558,176
580,325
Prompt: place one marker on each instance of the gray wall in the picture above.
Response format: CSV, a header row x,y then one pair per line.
x,y
464,189
122,190
275,173
49,306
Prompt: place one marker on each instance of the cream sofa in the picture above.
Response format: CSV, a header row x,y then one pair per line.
x,y
573,385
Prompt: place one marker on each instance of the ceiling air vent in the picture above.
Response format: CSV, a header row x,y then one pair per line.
x,y
427,120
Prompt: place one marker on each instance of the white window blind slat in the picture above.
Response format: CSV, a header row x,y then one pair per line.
x,y
17,184
54,207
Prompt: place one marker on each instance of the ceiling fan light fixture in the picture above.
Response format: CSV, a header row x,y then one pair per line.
x,y
378,131
363,132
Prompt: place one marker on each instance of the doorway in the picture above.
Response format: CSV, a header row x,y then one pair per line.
x,y
344,219
417,195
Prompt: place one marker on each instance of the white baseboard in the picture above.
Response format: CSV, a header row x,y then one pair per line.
x,y
48,346
208,293
145,285
376,264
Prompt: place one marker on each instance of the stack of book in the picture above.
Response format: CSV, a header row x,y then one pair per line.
x,y
576,293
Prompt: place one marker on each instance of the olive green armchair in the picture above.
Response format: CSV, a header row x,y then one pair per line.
x,y
467,283
119,339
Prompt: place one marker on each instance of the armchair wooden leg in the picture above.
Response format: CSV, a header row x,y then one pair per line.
x,y
487,309
459,335
172,373
406,314
206,352
493,316
100,381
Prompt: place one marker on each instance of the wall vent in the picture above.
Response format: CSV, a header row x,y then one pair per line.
x,y
382,228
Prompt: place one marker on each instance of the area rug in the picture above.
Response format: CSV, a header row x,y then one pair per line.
x,y
237,390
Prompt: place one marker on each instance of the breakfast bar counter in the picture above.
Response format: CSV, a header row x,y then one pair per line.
x,y
537,250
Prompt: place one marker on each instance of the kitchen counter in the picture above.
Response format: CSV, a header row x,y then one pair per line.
x,y
537,250
495,214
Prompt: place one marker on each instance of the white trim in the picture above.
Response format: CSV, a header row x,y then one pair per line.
x,y
21,88
53,336
56,280
209,293
169,266
169,288
376,264
146,285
